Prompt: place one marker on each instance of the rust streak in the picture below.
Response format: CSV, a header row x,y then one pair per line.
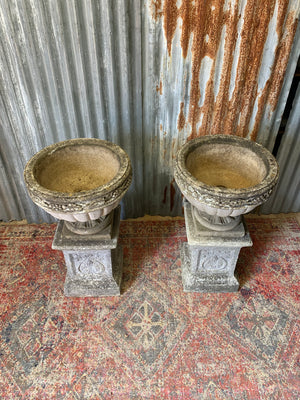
x,y
271,92
181,118
243,73
156,9
282,57
187,13
221,106
214,31
255,55
170,13
230,90
159,88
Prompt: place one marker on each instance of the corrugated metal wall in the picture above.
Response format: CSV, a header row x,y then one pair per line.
x,y
147,75
286,197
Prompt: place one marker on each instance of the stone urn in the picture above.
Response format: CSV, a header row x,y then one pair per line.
x,y
81,182
224,177
221,177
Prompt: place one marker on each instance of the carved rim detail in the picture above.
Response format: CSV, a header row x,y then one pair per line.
x,y
86,201
223,197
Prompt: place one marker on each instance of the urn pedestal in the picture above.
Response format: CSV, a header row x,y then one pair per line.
x,y
81,182
94,261
209,258
221,177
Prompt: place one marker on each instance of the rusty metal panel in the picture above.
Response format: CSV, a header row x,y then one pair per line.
x,y
271,122
145,74
286,197
219,68
226,60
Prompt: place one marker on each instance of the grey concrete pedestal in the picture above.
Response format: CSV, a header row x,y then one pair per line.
x,y
209,258
94,262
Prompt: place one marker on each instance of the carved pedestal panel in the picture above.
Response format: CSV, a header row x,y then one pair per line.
x,y
94,262
209,258
93,273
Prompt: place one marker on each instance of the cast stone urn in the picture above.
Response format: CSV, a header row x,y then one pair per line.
x,y
81,182
221,177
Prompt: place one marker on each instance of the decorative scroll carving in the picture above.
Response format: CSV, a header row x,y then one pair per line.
x,y
91,267
213,260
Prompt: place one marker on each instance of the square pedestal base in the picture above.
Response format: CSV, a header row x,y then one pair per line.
x,y
197,278
94,273
94,262
208,261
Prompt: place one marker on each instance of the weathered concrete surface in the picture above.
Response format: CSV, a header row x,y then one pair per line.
x,y
94,262
208,262
93,273
225,176
78,180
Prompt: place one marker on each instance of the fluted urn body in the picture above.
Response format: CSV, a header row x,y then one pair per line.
x,y
223,177
78,180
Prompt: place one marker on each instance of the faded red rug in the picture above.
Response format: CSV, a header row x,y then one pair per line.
x,y
154,341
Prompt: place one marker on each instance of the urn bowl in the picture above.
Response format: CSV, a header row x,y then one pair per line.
x,y
225,176
78,180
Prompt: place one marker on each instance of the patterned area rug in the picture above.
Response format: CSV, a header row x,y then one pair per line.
x,y
154,341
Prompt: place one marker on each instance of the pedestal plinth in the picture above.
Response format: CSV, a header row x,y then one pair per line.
x,y
94,261
209,258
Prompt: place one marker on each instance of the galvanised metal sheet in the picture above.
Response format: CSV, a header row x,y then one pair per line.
x,y
286,197
146,75
68,69
219,69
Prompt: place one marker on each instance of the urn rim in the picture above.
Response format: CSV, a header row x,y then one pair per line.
x,y
91,199
221,196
